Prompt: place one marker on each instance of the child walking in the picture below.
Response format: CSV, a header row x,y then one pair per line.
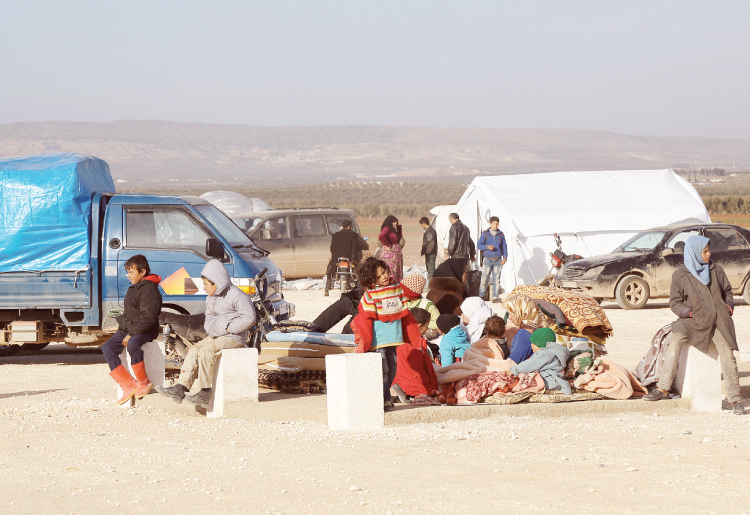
x,y
139,324
383,323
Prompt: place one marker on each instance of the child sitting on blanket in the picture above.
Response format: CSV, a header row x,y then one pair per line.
x,y
383,323
549,359
415,374
454,342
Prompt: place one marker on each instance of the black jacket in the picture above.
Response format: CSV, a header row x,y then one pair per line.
x,y
348,244
460,243
429,242
142,308
711,307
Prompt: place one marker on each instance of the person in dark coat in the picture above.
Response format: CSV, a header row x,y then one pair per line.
x,y
701,296
429,246
344,244
138,325
460,244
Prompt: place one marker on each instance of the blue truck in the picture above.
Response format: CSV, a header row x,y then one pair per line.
x,y
65,234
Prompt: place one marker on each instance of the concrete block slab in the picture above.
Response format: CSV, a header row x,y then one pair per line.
x,y
154,356
235,378
354,385
698,378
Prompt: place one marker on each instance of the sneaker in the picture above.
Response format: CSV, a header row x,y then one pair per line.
x,y
738,408
655,395
401,394
176,392
325,293
202,398
496,300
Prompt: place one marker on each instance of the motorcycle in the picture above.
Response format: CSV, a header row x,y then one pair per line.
x,y
180,332
345,275
559,258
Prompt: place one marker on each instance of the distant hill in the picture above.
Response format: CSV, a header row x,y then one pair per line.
x,y
157,153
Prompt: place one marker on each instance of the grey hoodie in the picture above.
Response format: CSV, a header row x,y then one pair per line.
x,y
550,363
229,312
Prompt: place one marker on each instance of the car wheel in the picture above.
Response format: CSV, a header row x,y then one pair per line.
x,y
632,292
746,292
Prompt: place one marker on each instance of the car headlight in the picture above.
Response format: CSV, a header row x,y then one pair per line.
x,y
245,284
593,272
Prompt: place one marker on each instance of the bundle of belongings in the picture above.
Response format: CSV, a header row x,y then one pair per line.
x,y
544,364
294,362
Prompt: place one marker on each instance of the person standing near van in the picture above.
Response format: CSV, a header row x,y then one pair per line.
x,y
460,244
344,244
429,246
495,251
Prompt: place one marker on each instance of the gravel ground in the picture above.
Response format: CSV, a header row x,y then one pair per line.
x,y
69,449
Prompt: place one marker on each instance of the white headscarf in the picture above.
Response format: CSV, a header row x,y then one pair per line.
x,y
478,312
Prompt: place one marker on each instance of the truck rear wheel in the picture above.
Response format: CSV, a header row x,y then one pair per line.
x,y
34,346
632,292
8,350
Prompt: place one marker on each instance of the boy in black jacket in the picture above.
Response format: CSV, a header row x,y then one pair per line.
x,y
139,324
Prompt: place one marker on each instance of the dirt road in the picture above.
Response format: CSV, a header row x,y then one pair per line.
x,y
69,449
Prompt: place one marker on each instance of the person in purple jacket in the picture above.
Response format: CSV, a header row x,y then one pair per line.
x,y
495,251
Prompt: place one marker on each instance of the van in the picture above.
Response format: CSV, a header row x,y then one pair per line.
x,y
299,239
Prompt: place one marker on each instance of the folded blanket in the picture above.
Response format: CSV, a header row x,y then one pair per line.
x,y
301,349
580,309
337,340
611,380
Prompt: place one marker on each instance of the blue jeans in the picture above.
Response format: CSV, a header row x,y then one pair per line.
x,y
388,355
112,348
490,268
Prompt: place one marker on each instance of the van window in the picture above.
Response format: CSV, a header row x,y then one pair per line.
x,y
167,228
334,222
274,229
305,226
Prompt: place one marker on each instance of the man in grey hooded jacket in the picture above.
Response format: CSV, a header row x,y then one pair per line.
x,y
229,314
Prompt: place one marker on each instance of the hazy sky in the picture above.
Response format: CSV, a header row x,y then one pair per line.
x,y
671,68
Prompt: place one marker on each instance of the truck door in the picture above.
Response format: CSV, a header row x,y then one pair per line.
x,y
174,242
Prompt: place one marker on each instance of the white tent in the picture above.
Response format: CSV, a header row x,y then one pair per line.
x,y
592,212
233,203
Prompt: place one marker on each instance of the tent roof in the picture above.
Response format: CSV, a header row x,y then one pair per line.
x,y
578,202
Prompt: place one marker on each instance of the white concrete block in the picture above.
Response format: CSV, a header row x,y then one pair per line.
x,y
354,385
154,356
235,378
698,378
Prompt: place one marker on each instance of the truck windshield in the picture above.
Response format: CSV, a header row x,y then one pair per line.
x,y
642,241
228,229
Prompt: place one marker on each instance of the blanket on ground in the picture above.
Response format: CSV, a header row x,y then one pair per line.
x,y
579,308
478,364
339,340
474,389
649,369
611,380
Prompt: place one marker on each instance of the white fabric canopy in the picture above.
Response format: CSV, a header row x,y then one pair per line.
x,y
233,203
592,212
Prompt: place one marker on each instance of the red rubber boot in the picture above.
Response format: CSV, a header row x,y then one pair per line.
x,y
126,382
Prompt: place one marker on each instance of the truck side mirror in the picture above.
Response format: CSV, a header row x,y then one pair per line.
x,y
214,248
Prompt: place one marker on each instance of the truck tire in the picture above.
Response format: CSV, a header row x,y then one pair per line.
x,y
746,292
632,292
34,346
8,350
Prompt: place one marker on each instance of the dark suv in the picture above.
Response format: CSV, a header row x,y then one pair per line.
x,y
641,268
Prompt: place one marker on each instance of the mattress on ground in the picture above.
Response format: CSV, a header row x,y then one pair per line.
x,y
290,364
301,349
336,340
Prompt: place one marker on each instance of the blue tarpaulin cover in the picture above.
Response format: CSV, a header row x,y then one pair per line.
x,y
45,210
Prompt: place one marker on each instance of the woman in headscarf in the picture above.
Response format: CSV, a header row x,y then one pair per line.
x,y
391,239
701,296
474,313
446,288
525,318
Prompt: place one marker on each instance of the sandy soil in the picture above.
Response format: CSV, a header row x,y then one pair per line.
x,y
69,449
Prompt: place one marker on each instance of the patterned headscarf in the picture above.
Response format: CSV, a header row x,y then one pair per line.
x,y
693,260
413,285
